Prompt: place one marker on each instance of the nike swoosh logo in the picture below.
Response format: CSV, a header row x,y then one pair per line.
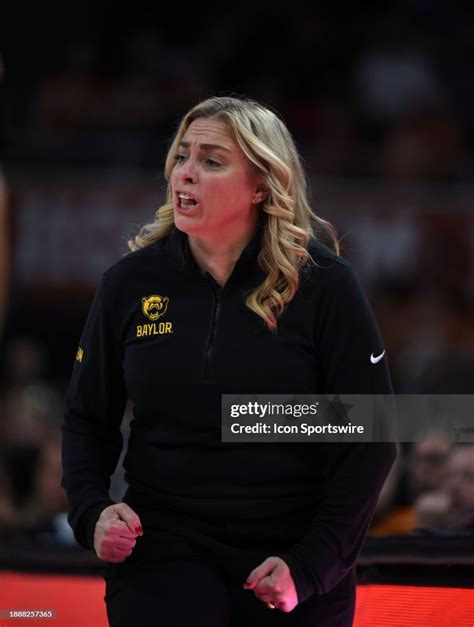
x,y
375,360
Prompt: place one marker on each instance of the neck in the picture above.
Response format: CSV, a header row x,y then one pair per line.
x,y
218,256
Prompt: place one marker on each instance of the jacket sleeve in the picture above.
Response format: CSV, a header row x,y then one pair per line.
x,y
346,336
94,406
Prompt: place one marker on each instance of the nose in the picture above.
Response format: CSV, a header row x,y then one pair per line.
x,y
188,171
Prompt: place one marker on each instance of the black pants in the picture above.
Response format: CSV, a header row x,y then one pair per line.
x,y
179,579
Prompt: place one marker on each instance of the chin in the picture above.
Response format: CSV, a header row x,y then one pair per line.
x,y
186,225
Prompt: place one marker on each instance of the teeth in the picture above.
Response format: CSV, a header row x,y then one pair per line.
x,y
186,201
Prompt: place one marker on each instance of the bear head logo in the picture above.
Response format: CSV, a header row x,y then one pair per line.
x,y
154,307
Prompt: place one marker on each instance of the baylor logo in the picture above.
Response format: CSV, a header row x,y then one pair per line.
x,y
155,328
154,307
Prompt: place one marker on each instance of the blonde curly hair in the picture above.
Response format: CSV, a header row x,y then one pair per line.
x,y
289,220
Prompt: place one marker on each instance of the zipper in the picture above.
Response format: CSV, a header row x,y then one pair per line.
x,y
217,293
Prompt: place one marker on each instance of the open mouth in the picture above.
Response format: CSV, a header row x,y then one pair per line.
x,y
186,201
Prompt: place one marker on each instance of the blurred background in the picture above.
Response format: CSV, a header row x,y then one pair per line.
x,y
380,100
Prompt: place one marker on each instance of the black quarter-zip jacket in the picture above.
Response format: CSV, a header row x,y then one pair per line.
x,y
166,336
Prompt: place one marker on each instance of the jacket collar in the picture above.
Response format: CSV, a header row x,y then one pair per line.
x,y
177,247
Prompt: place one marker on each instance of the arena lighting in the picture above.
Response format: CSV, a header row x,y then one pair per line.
x,y
78,601
380,605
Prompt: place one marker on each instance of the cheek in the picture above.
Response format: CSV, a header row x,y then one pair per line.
x,y
235,192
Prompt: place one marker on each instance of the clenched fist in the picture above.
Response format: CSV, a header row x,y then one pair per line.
x,y
116,532
273,584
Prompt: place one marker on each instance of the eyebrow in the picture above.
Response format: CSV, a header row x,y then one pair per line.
x,y
205,146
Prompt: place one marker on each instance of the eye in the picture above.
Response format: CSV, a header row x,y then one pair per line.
x,y
180,158
212,163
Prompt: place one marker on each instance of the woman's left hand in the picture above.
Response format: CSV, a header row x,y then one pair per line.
x,y
273,584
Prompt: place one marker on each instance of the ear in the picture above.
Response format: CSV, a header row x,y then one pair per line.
x,y
260,195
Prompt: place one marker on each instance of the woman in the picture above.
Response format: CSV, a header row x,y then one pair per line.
x,y
227,292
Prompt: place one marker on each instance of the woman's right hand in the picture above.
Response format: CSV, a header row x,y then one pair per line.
x,y
116,532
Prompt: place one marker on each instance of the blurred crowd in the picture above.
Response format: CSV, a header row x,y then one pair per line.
x,y
33,506
429,489
368,91
32,503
